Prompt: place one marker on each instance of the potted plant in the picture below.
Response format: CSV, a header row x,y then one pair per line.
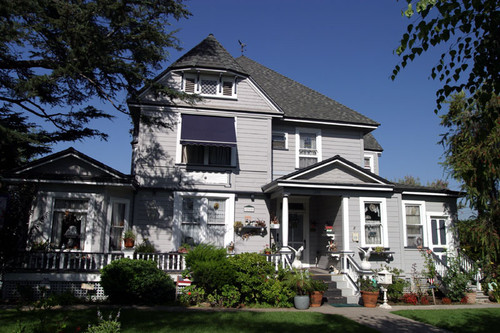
x,y
238,225
369,291
300,282
184,248
129,238
318,289
267,249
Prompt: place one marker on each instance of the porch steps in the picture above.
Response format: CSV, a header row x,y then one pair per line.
x,y
333,295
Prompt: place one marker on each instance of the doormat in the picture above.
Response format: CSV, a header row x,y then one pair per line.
x,y
346,305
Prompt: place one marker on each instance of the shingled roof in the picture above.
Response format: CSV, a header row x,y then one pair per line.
x,y
208,54
299,101
371,143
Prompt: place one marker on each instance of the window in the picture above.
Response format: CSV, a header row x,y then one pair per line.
x,y
280,140
308,147
374,222
206,155
118,222
203,218
68,224
414,225
368,163
438,231
209,85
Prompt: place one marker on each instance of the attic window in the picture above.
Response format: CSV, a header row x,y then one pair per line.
x,y
209,85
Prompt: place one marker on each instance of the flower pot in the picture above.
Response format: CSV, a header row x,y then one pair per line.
x,y
128,242
316,298
301,302
471,298
369,298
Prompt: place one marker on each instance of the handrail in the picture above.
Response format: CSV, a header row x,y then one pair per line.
x,y
90,262
352,270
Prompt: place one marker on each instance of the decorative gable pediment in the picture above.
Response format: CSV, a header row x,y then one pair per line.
x,y
336,173
70,165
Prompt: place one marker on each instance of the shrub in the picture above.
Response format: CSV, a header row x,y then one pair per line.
x,y
136,281
192,295
145,247
204,253
277,293
212,275
456,280
251,271
410,298
300,282
318,285
109,325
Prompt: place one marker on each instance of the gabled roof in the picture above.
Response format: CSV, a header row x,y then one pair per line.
x,y
208,54
298,101
371,143
425,190
69,165
333,173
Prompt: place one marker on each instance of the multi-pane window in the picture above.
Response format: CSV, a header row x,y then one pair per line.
x,y
368,163
373,223
68,224
414,227
308,150
210,85
280,140
203,220
438,231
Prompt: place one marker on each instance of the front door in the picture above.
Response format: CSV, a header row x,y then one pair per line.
x,y
297,227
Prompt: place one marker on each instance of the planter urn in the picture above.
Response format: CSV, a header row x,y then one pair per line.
x,y
301,302
128,242
370,298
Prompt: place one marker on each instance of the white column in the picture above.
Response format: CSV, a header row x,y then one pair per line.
x,y
284,226
345,223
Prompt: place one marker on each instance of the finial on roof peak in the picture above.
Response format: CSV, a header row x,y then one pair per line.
x,y
210,35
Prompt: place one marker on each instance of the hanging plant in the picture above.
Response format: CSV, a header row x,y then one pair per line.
x,y
216,205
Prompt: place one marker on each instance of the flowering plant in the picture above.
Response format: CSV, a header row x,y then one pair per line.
x,y
368,284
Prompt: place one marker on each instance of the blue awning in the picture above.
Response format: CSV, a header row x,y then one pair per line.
x,y
208,131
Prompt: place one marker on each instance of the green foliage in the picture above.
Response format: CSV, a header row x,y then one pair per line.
x,y
57,55
299,281
251,271
456,280
110,325
469,29
129,234
277,293
192,295
128,281
204,253
318,285
409,180
368,284
145,247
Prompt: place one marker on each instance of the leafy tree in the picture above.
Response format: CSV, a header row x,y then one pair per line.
x,y
470,29
473,156
56,56
409,180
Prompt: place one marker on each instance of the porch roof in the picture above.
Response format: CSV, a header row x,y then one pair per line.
x,y
316,177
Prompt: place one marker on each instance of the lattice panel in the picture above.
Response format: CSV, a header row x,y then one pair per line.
x,y
84,290
209,87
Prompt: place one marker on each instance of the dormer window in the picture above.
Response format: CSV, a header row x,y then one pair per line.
x,y
209,85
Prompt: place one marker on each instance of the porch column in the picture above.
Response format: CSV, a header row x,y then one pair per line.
x,y
345,231
284,223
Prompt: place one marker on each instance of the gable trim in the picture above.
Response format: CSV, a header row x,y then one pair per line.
x,y
334,161
334,123
284,183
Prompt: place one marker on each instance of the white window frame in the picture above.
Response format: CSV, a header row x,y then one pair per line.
x,y
284,134
198,77
423,215
298,132
109,215
229,214
178,154
383,220
49,208
372,162
449,232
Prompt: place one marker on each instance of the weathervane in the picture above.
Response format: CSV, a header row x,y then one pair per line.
x,y
243,45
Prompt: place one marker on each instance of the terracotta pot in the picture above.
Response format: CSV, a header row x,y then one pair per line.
x,y
370,298
128,242
471,298
316,298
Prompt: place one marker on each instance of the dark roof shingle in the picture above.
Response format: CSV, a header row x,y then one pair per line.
x,y
371,143
299,101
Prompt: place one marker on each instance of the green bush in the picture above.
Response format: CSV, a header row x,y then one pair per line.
x,y
276,293
212,275
145,247
251,271
110,325
192,295
127,281
204,253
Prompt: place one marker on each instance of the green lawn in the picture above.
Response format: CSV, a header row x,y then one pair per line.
x,y
458,320
188,321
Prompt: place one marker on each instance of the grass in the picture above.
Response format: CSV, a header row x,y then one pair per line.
x,y
185,321
457,320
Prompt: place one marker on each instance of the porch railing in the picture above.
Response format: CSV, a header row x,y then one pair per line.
x,y
89,262
465,262
280,260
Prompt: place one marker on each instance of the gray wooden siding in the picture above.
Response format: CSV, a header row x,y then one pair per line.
x,y
253,153
255,243
153,213
248,98
375,155
338,175
335,141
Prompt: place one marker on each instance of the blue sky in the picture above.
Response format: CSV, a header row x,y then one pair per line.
x,y
343,49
